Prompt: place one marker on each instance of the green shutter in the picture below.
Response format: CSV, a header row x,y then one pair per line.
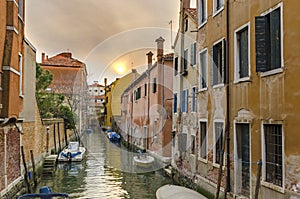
x,y
211,66
261,43
275,39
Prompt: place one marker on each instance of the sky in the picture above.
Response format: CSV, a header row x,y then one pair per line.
x,y
110,36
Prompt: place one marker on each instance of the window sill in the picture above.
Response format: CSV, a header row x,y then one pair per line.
x,y
21,95
202,90
216,12
202,160
218,85
218,166
272,186
241,80
202,24
194,65
21,18
271,72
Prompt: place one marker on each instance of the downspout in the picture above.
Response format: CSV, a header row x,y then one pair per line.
x,y
162,101
228,187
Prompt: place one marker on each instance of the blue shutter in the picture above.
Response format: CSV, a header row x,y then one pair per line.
x,y
261,43
175,103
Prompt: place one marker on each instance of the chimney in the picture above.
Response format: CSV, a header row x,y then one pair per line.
x,y
186,3
149,54
160,49
47,57
105,82
43,57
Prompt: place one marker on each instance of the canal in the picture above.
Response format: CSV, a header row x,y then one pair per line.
x,y
107,172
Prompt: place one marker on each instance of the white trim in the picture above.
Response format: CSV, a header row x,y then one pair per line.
x,y
263,181
279,5
203,51
12,28
235,157
271,72
20,59
219,85
236,53
216,12
218,41
29,44
214,141
9,68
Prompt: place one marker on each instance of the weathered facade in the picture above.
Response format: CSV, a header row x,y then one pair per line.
x,y
147,106
96,103
11,91
247,106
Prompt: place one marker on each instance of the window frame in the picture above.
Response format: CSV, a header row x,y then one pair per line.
x,y
212,63
205,160
263,143
185,60
216,11
280,69
154,85
176,62
20,65
175,103
201,88
215,141
237,77
202,8
193,54
194,99
184,100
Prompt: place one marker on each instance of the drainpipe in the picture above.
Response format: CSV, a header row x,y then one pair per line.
x,y
227,189
149,54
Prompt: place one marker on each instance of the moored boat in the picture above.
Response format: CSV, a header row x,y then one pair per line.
x,y
73,152
45,193
177,192
114,137
143,160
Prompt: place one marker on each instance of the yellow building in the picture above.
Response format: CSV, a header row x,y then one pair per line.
x,y
113,94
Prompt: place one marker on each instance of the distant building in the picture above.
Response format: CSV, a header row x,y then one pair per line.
x,y
96,104
70,79
147,107
113,94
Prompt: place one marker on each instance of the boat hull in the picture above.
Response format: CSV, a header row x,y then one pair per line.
x,y
76,156
143,162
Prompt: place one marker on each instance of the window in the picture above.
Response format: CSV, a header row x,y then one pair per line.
x,y
184,101
202,12
21,74
176,66
193,144
182,139
241,53
218,137
273,154
145,88
185,60
20,8
175,103
203,69
96,90
203,140
137,93
218,5
193,54
218,63
268,41
194,98
154,85
186,28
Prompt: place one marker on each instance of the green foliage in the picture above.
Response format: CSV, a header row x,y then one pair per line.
x,y
51,105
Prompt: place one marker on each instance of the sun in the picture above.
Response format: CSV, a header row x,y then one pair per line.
x,y
119,68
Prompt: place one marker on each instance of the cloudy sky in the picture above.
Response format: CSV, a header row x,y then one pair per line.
x,y
110,36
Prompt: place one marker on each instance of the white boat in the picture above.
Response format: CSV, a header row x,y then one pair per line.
x,y
143,160
177,192
73,152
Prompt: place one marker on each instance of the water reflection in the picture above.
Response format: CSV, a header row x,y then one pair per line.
x,y
107,172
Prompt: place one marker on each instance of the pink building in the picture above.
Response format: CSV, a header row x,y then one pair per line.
x,y
147,106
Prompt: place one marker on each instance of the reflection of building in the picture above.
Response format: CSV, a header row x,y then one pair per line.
x,y
147,106
69,79
113,98
247,99
11,91
96,104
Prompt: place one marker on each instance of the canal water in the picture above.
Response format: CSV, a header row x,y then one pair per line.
x,y
107,172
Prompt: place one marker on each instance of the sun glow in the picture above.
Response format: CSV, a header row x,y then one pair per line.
x,y
119,68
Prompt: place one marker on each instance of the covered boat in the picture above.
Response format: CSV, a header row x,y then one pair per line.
x,y
143,160
114,137
73,152
45,193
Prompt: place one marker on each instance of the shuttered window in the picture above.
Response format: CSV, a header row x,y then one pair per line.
x,y
203,140
203,69
193,54
175,103
176,66
185,60
154,85
202,12
268,41
218,63
194,99
218,141
242,53
184,101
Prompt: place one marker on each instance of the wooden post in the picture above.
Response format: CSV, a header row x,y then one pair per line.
x,y
54,139
59,144
259,163
33,169
66,136
26,171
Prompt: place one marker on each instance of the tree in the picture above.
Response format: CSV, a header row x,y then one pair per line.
x,y
51,105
